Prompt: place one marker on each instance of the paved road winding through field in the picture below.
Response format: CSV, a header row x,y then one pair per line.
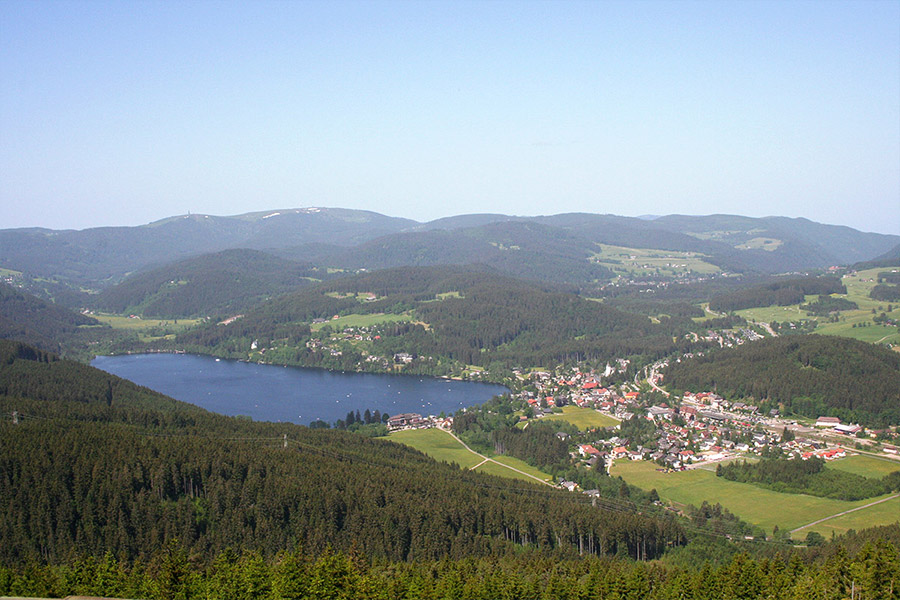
x,y
486,459
846,512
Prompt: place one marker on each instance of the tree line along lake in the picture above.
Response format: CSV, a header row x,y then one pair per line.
x,y
291,394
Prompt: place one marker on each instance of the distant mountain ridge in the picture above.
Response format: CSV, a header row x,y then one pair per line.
x,y
550,248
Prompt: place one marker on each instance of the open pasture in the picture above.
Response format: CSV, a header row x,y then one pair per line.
x,y
856,323
147,330
755,505
582,418
355,320
442,446
495,469
437,444
867,466
644,261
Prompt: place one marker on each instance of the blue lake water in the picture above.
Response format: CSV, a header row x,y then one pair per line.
x,y
297,395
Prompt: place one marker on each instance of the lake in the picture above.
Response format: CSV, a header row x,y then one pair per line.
x,y
297,395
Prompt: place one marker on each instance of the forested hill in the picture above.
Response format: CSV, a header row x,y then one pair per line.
x,y
781,292
556,248
27,318
811,375
444,316
515,248
102,254
97,464
227,281
891,258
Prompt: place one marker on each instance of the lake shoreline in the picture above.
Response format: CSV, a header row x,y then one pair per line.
x,y
297,394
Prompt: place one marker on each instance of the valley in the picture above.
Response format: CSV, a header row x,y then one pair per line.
x,y
632,375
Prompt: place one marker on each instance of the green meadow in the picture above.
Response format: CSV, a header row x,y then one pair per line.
x,y
362,320
880,514
867,466
644,261
442,446
437,444
755,505
582,418
147,329
502,471
857,323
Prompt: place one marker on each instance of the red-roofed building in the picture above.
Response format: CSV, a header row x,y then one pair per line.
x,y
587,449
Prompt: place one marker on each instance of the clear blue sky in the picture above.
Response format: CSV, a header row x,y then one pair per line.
x,y
121,113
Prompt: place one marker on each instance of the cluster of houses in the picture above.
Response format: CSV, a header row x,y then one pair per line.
x,y
728,338
701,428
692,434
545,391
417,421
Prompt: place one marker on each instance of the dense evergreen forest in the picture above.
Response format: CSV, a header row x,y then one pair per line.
x,y
868,569
809,477
823,305
96,464
222,282
778,293
38,322
810,375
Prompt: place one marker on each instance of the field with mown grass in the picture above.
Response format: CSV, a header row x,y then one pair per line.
x,y
755,505
442,446
880,514
362,320
646,261
856,324
867,466
437,444
582,418
147,330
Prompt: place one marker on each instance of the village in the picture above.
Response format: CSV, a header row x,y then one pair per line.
x,y
694,431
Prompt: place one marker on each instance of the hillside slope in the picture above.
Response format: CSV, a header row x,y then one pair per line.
x,y
106,254
811,375
445,317
222,282
30,319
549,248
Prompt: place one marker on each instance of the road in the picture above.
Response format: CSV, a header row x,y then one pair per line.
x,y
486,459
846,512
768,328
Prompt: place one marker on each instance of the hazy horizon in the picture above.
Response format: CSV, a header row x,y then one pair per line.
x,y
126,113
400,216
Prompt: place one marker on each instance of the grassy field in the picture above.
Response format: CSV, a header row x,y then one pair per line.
x,y
9,273
441,446
147,330
760,243
122,322
516,464
867,466
438,445
643,261
752,504
880,514
855,324
362,320
582,418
